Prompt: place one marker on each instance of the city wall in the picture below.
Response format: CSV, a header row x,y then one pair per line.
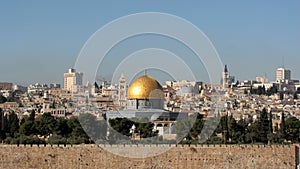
x,y
178,156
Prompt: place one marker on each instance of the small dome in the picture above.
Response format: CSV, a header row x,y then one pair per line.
x,y
185,89
145,87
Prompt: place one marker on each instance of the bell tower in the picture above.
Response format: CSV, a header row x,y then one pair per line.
x,y
225,78
122,91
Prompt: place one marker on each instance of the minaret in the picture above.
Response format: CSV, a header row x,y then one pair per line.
x,y
225,78
122,91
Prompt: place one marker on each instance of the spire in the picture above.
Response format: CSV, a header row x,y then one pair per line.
x,y
225,70
96,85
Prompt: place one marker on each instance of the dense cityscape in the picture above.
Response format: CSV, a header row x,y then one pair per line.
x,y
252,111
150,84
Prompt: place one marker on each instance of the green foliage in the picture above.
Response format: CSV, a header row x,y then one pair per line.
x,y
214,140
32,116
47,129
96,129
2,125
252,133
22,139
263,126
282,131
183,128
2,99
62,128
46,125
121,125
13,124
57,139
145,128
296,96
41,130
261,90
292,125
297,92
272,90
260,131
28,128
120,129
189,130
239,137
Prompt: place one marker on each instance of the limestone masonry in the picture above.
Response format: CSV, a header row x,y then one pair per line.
x,y
193,156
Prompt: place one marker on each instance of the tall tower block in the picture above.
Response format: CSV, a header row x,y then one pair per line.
x,y
72,80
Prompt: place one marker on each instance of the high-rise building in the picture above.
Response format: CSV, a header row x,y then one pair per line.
x,y
72,80
283,74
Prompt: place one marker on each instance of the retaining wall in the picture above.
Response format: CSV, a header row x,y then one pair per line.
x,y
178,156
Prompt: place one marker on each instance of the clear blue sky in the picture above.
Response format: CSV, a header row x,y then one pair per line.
x,y
39,40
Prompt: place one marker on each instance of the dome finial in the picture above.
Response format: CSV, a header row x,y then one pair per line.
x,y
145,72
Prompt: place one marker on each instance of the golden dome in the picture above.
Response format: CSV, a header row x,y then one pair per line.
x,y
145,87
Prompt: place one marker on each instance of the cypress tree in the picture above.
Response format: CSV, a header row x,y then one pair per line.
x,y
270,123
282,127
264,126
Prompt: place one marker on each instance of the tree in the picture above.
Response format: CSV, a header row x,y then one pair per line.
x,y
46,125
261,90
223,128
292,125
96,129
296,96
62,128
252,133
183,128
28,128
241,131
281,96
190,129
272,90
264,126
270,122
76,134
282,130
145,128
232,127
121,125
197,127
32,116
2,99
13,124
2,125
261,130
245,91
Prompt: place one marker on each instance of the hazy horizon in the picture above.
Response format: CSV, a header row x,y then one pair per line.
x,y
41,40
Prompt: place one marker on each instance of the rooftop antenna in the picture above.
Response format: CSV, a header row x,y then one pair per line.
x,y
282,61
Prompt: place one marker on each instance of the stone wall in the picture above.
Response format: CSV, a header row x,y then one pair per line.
x,y
200,156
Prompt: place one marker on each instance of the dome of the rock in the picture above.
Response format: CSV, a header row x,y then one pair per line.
x,y
145,87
